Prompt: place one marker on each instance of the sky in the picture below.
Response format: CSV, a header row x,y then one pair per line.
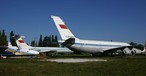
x,y
116,20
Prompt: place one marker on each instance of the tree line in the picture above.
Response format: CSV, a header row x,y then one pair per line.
x,y
47,41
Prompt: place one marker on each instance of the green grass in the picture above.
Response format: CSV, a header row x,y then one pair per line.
x,y
115,66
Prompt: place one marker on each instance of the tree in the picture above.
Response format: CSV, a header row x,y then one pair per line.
x,y
12,39
3,33
4,41
56,40
45,41
52,40
0,33
138,46
40,41
34,43
133,44
49,41
0,38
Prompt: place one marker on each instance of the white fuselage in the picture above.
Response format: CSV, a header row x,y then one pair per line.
x,y
15,51
91,46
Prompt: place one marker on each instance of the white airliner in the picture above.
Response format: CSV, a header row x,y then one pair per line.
x,y
88,46
22,45
24,49
15,51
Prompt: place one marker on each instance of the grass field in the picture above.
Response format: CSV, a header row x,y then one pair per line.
x,y
115,66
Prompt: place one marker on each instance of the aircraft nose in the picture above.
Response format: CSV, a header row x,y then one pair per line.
x,y
34,52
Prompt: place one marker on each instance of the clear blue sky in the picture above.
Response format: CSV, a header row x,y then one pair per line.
x,y
117,20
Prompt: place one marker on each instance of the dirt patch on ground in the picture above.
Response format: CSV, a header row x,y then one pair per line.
x,y
73,60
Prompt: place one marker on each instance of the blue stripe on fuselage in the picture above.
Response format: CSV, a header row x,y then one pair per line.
x,y
97,45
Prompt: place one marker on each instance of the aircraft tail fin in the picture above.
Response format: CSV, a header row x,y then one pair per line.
x,y
20,42
62,28
9,44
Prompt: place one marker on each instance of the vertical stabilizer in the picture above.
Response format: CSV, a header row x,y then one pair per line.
x,y
20,42
9,44
62,28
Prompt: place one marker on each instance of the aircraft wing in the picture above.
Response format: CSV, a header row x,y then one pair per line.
x,y
51,49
